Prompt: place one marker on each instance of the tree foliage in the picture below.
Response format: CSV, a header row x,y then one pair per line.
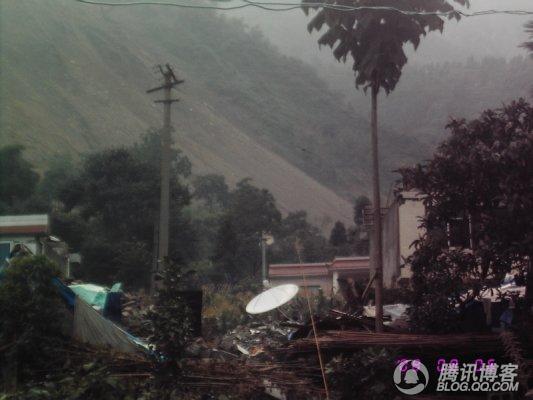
x,y
375,39
211,188
170,318
18,180
32,317
338,236
111,208
251,212
367,372
295,228
483,176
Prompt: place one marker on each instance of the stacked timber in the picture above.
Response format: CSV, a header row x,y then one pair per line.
x,y
346,341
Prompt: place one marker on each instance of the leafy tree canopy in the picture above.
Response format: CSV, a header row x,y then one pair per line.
x,y
484,171
211,188
111,207
295,228
482,174
338,235
18,180
60,169
26,289
375,38
251,211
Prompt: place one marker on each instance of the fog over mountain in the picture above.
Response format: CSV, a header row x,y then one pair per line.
x,y
263,102
476,63
492,35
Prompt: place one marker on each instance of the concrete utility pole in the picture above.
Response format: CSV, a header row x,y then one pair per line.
x,y
170,81
263,259
266,240
377,249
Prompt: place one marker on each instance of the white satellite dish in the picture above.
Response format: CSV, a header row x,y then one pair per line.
x,y
271,299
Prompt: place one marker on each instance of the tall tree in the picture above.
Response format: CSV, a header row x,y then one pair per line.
x,y
484,173
338,237
251,211
211,188
60,169
375,38
113,199
295,228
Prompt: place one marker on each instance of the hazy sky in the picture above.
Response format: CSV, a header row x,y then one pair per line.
x,y
497,35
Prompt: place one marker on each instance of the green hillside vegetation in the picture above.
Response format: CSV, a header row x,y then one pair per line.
x,y
428,95
74,79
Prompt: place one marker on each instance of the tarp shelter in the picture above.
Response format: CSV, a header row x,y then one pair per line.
x,y
93,295
92,327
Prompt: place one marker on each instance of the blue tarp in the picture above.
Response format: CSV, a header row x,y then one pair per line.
x,y
93,295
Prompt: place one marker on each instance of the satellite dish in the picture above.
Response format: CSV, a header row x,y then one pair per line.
x,y
271,299
269,239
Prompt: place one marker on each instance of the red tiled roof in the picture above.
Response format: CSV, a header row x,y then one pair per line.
x,y
359,264
286,270
349,263
23,230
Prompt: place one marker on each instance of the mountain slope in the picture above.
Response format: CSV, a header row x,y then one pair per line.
x,y
73,79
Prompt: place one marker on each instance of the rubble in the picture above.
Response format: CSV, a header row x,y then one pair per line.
x,y
135,309
256,339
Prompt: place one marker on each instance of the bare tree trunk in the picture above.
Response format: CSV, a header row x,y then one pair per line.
x,y
377,247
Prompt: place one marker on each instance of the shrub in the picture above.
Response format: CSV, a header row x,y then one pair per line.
x,y
32,315
367,373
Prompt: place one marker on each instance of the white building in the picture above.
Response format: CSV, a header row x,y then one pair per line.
x,y
400,227
31,233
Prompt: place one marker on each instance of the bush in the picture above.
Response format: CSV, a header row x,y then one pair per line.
x,y
224,308
170,319
32,315
368,373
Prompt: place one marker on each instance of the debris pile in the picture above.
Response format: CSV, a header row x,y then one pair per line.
x,y
256,338
135,309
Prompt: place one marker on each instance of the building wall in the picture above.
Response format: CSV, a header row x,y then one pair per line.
x,y
400,229
410,213
313,282
31,242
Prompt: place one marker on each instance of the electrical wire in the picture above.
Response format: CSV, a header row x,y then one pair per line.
x,y
297,247
288,6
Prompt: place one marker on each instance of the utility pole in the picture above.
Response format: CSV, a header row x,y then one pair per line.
x,y
263,259
266,240
170,81
377,249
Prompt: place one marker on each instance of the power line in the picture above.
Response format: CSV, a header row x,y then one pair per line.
x,y
280,7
